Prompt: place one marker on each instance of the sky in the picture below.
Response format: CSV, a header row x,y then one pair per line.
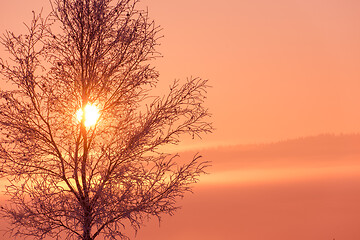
x,y
305,188
280,69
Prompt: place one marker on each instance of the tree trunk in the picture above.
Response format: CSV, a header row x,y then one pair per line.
x,y
86,232
87,224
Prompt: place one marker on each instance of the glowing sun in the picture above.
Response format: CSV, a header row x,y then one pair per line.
x,y
91,115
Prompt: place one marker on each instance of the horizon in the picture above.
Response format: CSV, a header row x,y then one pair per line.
x,y
253,195
259,185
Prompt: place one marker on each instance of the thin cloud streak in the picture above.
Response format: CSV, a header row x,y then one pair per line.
x,y
288,190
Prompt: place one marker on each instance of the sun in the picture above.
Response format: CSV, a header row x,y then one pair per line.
x,y
91,115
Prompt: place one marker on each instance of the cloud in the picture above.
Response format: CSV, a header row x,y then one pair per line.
x,y
306,188
291,160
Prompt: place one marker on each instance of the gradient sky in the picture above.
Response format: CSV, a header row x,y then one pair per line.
x,y
280,69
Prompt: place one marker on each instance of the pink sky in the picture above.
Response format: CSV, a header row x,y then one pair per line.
x,y
280,69
300,189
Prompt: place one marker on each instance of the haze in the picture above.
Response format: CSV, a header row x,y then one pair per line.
x,y
280,70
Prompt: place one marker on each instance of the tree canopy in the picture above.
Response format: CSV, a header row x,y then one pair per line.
x,y
84,181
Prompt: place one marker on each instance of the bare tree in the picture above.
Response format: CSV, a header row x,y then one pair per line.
x,y
80,179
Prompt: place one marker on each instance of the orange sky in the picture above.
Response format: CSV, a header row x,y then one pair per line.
x,y
303,189
280,69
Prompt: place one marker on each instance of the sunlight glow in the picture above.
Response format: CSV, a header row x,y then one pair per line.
x,y
91,115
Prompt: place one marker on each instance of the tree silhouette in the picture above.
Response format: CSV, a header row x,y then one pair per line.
x,y
85,181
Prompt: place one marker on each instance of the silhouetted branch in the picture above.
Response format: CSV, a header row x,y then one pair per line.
x,y
80,181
